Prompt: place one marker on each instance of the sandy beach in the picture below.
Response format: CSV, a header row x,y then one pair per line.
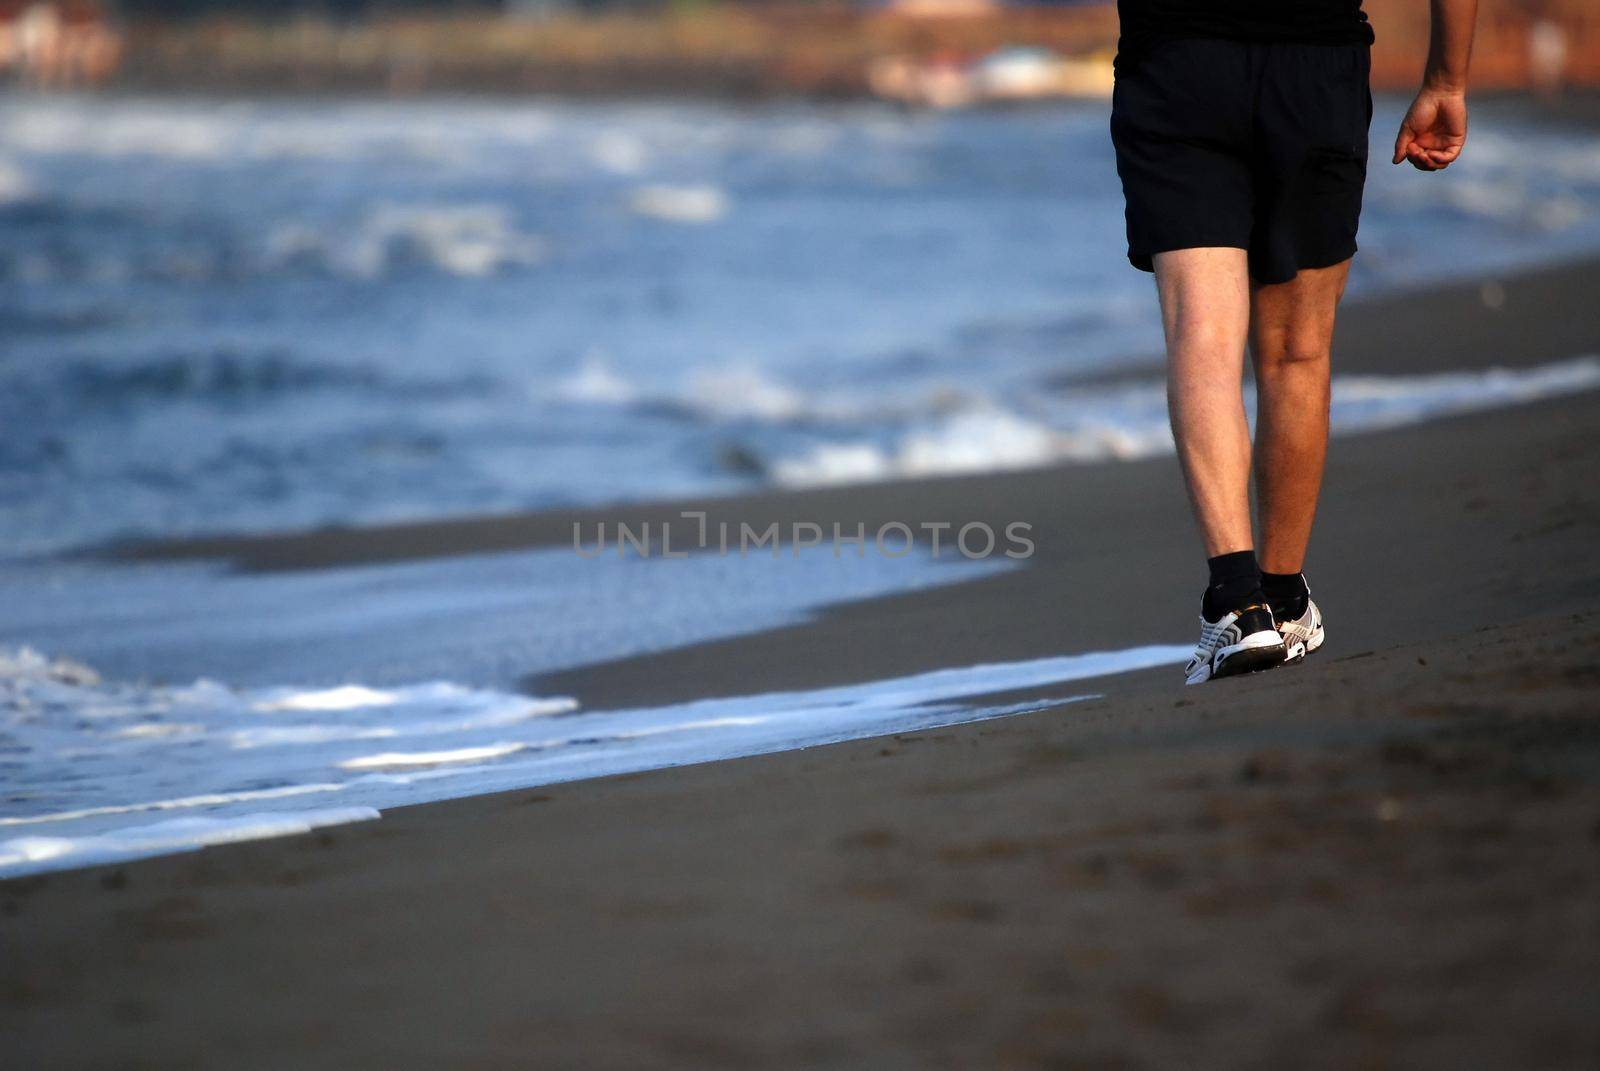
x,y
1386,857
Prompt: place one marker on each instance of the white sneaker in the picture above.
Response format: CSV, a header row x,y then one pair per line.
x,y
1304,634
1239,642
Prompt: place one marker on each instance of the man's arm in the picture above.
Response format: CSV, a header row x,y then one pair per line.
x,y
1435,128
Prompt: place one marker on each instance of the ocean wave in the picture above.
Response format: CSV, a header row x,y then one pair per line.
x,y
467,240
1131,423
220,375
62,242
213,374
463,135
596,381
214,132
680,204
732,392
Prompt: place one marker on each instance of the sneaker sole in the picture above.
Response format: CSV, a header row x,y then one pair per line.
x,y
1247,657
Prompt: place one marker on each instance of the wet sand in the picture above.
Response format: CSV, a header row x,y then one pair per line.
x,y
1386,857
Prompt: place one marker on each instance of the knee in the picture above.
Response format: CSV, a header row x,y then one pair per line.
x,y
1291,352
1207,336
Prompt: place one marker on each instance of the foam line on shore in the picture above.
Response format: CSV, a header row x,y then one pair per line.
x,y
67,727
22,854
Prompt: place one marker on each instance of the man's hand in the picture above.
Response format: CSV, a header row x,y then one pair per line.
x,y
1434,129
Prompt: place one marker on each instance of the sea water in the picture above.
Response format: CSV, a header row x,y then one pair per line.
x,y
250,315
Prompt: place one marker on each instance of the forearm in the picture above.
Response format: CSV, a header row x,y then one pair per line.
x,y
1450,44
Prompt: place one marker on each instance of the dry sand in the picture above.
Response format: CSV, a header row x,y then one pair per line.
x,y
1386,857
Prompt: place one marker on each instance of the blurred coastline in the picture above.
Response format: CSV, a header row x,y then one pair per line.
x,y
941,52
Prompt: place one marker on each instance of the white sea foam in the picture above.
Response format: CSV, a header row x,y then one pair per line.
x,y
1131,423
206,132
596,382
680,204
15,184
180,803
344,697
459,239
477,710
67,752
22,854
1366,402
620,152
740,391
402,759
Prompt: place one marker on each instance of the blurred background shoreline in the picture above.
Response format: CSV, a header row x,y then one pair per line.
x,y
927,52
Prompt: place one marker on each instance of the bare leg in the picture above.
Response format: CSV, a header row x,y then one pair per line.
x,y
1205,309
1291,330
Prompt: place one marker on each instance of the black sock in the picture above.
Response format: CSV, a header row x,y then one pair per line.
x,y
1286,593
1235,582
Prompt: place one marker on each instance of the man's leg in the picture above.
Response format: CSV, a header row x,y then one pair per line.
x,y
1205,310
1291,330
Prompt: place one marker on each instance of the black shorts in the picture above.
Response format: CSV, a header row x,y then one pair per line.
x,y
1257,146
